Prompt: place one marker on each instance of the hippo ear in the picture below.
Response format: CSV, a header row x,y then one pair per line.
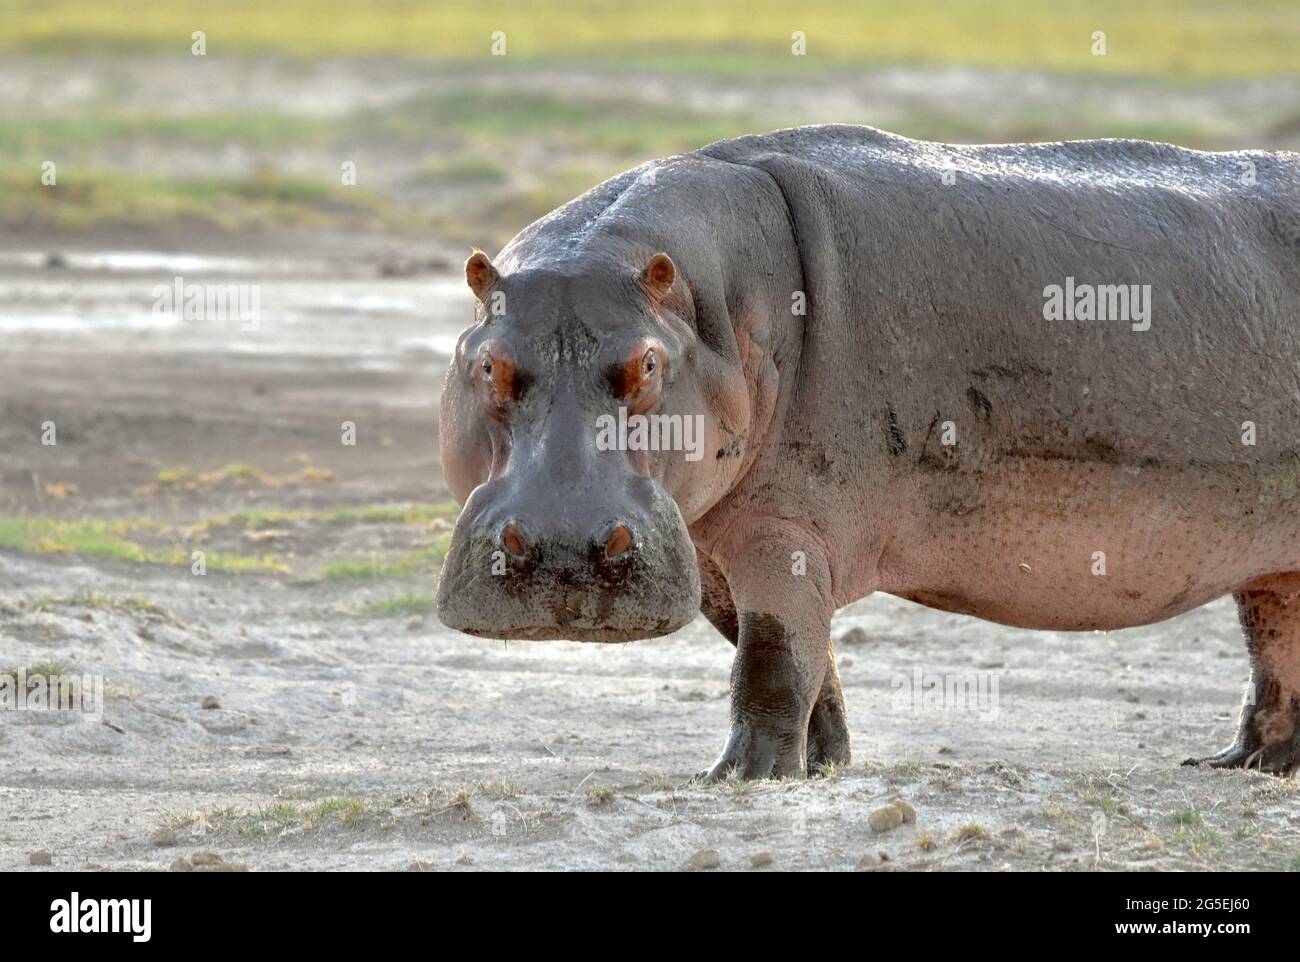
x,y
658,276
480,275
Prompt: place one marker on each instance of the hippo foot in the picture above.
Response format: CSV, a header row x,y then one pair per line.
x,y
828,736
1268,728
755,751
1281,758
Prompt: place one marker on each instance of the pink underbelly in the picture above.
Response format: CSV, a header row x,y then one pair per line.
x,y
1100,552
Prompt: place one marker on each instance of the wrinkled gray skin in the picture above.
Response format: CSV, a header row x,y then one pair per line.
x,y
827,475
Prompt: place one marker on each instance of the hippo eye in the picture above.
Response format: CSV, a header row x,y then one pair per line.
x,y
651,363
487,366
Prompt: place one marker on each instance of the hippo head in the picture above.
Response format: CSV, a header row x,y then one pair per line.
x,y
578,433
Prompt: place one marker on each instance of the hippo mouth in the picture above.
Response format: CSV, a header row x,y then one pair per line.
x,y
553,593
631,608
606,635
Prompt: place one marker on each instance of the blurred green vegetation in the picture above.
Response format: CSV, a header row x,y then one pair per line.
x,y
269,200
474,161
149,541
1165,38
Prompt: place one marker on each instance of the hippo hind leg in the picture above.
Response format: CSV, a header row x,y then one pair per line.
x,y
1268,732
828,727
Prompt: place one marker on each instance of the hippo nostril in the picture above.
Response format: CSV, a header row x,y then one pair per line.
x,y
617,541
512,539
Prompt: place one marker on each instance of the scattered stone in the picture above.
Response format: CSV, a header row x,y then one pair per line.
x,y
163,838
465,859
39,857
702,861
906,810
854,636
760,859
885,819
182,865
56,261
210,702
884,856
226,867
205,858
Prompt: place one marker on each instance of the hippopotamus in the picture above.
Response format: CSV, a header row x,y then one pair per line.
x,y
1054,386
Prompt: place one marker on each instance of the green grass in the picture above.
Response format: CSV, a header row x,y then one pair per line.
x,y
43,669
22,138
419,561
88,599
618,125
1168,38
231,820
369,514
113,540
478,170
82,198
95,539
400,606
1187,818
396,514
110,539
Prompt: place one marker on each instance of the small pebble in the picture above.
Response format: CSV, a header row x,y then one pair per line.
x,y
226,867
854,636
702,861
760,859
39,857
210,702
163,838
200,859
885,819
906,810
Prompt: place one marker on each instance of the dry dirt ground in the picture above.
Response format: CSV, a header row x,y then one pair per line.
x,y
347,729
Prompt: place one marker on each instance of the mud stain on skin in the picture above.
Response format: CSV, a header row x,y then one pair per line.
x,y
734,446
769,687
982,406
1015,371
814,455
821,465
894,440
1092,449
945,459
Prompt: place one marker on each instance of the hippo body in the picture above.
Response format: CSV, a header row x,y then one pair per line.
x,y
1052,386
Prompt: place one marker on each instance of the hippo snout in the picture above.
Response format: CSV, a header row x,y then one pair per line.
x,y
575,565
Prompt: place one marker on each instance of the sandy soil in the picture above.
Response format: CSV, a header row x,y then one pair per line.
x,y
344,737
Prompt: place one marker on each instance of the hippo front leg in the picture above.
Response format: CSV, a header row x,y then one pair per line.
x,y
780,585
828,728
